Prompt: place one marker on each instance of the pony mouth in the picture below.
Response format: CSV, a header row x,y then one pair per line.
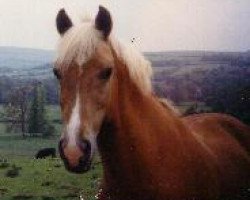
x,y
83,166
84,162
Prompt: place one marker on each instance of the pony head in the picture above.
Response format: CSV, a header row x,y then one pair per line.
x,y
85,68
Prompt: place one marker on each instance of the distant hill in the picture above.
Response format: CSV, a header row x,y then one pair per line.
x,y
181,72
25,63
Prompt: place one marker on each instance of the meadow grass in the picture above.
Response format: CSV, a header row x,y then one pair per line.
x,y
47,179
42,179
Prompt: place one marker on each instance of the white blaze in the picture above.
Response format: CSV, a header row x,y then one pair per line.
x,y
74,123
73,128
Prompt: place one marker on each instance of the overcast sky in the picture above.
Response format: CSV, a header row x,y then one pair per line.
x,y
157,25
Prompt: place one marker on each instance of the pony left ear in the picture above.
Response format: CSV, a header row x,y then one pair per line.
x,y
103,22
63,22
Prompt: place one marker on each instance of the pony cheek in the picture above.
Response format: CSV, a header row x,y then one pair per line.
x,y
98,118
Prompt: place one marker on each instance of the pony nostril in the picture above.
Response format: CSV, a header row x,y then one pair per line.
x,y
85,146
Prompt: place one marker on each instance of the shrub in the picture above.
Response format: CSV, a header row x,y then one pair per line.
x,y
13,172
4,163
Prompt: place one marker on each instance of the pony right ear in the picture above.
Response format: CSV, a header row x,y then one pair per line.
x,y
63,22
103,22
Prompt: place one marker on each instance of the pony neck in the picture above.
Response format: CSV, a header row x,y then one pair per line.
x,y
130,141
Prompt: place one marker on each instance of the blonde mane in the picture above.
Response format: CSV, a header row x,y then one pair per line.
x,y
80,42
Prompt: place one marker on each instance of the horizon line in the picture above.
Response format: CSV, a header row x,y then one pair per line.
x,y
144,52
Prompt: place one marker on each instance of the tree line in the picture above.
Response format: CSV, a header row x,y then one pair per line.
x,y
25,111
8,84
225,89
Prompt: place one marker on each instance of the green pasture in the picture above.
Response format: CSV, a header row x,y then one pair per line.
x,y
42,179
45,179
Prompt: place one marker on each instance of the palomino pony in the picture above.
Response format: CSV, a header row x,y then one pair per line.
x,y
148,152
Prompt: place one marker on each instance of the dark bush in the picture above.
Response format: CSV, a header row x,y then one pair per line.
x,y
47,183
13,172
4,163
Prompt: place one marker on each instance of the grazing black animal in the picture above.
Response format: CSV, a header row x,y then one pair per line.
x,y
46,152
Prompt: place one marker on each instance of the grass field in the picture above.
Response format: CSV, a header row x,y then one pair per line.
x,y
44,179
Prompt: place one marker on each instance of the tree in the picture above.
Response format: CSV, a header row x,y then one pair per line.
x,y
16,109
228,92
37,115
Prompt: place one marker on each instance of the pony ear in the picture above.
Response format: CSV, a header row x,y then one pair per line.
x,y
63,22
103,21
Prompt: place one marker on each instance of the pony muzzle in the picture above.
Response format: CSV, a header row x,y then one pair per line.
x,y
77,158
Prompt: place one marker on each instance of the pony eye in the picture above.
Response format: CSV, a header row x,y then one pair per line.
x,y
56,73
105,74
